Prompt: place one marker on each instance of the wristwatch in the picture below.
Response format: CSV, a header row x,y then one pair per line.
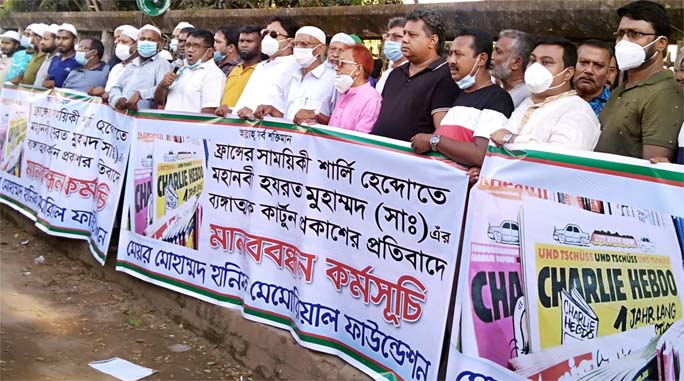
x,y
507,138
434,140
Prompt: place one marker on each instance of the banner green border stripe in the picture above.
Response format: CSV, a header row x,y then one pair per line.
x,y
627,169
61,92
274,317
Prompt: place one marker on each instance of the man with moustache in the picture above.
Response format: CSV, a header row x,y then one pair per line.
x,y
509,61
9,45
249,48
48,45
65,61
591,73
479,109
38,57
198,85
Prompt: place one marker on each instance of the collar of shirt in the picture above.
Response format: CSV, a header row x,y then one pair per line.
x,y
97,68
662,75
354,90
317,72
233,62
434,65
603,97
536,106
139,62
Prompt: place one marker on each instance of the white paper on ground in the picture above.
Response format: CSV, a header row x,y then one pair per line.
x,y
122,369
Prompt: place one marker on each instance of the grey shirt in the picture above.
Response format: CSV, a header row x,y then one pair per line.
x,y
519,94
83,79
142,76
42,73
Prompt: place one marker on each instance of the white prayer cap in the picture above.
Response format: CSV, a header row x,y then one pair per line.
x,y
69,28
13,34
313,32
30,27
129,31
183,25
52,28
343,38
38,29
150,27
165,54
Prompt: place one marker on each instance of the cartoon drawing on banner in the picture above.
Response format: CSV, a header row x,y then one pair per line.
x,y
521,337
571,234
578,321
507,233
13,131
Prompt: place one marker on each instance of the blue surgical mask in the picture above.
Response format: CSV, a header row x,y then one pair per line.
x,y
26,42
218,57
469,80
147,48
392,50
187,66
80,58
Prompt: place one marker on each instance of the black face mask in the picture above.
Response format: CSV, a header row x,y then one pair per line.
x,y
246,56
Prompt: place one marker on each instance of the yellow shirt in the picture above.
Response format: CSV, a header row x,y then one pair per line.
x,y
236,82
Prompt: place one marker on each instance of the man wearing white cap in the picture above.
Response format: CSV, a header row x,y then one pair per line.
x,y
113,59
38,57
65,61
21,57
135,88
173,44
48,45
309,94
124,51
9,45
338,44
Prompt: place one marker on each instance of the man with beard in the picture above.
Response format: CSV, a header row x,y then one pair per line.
x,y
48,45
643,116
65,62
226,53
9,45
249,48
591,73
509,61
198,85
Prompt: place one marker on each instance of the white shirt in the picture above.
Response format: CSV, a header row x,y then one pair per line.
x,y
196,89
564,120
42,73
266,84
383,78
114,75
314,91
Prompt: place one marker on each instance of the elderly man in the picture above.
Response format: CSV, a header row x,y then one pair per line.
x,y
480,109
309,93
65,62
268,81
643,116
139,79
125,51
226,53
48,45
93,72
509,61
9,45
250,55
338,43
38,56
175,35
554,115
418,95
392,49
197,86
591,73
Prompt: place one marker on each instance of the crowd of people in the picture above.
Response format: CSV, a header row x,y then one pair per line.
x,y
522,88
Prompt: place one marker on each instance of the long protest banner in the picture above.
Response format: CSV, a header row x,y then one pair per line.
x,y
568,248
348,241
62,164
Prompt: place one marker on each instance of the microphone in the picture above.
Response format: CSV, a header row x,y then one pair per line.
x,y
177,65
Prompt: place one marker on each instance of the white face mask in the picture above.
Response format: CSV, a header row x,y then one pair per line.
x,y
538,78
343,82
269,45
173,45
122,52
630,55
304,56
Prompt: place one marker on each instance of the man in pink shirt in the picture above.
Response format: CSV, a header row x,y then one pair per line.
x,y
359,105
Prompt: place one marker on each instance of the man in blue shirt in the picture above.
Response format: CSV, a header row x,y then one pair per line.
x,y
94,72
591,72
65,61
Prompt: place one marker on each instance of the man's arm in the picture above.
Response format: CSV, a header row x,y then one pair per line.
x,y
649,152
162,90
660,124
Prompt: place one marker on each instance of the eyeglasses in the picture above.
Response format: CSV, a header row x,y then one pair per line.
x,y
341,62
272,33
631,34
194,46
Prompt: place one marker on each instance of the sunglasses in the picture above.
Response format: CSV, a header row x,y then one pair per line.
x,y
272,33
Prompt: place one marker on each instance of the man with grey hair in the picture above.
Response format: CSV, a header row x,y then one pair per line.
x,y
392,49
509,61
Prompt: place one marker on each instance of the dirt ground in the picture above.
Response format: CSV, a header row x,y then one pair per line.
x,y
58,316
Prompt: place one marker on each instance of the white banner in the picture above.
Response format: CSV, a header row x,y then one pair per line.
x,y
63,161
347,241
